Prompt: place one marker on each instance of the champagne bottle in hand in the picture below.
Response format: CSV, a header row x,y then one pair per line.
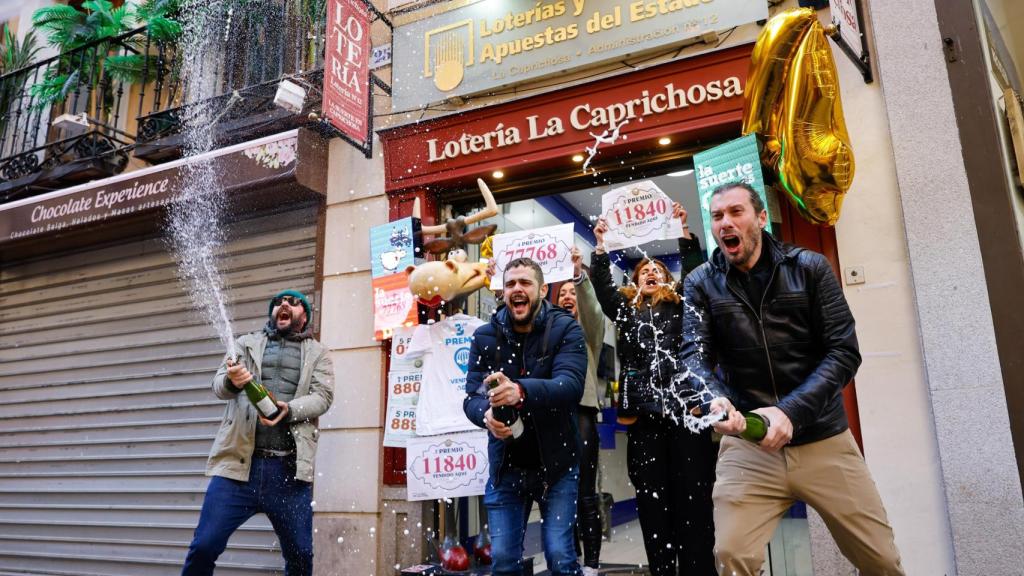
x,y
757,425
508,416
261,398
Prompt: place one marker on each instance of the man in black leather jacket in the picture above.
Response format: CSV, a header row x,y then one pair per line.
x,y
773,320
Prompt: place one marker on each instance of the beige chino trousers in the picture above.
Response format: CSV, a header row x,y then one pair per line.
x,y
754,489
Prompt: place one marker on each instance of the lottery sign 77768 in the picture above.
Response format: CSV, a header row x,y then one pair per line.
x,y
549,247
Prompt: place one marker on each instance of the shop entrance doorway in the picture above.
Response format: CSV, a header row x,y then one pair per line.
x,y
789,551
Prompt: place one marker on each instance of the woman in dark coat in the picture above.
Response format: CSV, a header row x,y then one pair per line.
x,y
672,469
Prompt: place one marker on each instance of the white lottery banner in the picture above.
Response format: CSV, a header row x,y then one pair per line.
x,y
399,424
551,247
403,396
637,214
404,386
401,360
447,466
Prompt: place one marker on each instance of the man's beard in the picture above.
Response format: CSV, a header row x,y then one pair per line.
x,y
751,245
528,319
293,327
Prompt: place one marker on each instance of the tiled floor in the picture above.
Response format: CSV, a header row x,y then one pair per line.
x,y
623,552
788,553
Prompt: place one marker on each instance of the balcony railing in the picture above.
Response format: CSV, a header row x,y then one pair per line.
x,y
100,120
63,119
257,48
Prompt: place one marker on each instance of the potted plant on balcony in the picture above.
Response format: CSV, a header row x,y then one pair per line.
x,y
102,49
14,56
116,40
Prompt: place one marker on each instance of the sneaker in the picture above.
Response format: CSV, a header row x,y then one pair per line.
x,y
588,571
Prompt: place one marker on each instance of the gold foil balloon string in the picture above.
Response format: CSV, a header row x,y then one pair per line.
x,y
793,104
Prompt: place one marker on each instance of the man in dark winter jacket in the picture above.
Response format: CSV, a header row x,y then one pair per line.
x,y
259,465
525,380
774,320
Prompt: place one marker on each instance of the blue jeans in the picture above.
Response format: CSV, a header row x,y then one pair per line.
x,y
508,508
271,489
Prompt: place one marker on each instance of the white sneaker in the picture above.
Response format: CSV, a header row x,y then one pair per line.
x,y
588,571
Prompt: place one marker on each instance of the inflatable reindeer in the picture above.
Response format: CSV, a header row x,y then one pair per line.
x,y
439,281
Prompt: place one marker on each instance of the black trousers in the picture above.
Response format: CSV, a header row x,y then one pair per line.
x,y
673,471
588,517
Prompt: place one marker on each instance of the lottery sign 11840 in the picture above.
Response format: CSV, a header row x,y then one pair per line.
x,y
637,214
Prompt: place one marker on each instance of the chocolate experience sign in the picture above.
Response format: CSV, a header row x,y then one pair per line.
x,y
493,43
143,190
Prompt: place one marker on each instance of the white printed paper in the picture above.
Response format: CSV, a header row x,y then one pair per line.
x,y
447,466
403,396
399,424
637,214
550,247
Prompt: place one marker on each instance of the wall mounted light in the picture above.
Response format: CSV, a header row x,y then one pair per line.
x,y
498,174
664,140
577,158
290,96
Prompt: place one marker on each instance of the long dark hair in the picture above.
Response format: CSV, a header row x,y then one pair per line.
x,y
666,292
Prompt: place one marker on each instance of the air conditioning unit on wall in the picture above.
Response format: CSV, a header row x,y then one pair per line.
x,y
72,124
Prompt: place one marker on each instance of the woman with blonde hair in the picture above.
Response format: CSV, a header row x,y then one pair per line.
x,y
672,469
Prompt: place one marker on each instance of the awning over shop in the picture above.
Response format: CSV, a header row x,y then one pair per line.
x,y
257,175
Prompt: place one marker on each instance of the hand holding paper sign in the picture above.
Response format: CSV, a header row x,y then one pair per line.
x,y
599,231
637,214
680,213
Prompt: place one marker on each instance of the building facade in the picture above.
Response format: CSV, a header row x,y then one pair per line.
x,y
108,414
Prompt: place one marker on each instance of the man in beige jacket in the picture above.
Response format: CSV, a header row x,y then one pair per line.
x,y
259,465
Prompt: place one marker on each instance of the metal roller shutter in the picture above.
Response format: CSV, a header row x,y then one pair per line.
x,y
106,412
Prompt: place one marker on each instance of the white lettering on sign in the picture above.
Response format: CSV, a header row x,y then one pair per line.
x,y
348,53
742,171
474,143
102,199
586,117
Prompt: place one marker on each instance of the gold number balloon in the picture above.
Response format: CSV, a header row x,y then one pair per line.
x,y
793,104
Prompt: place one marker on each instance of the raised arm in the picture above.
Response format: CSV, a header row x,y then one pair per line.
x,y
608,295
589,309
690,254
591,319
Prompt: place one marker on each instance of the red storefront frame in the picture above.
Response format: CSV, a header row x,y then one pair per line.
x,y
410,173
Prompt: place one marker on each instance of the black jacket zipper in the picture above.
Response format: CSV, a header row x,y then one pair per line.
x,y
760,322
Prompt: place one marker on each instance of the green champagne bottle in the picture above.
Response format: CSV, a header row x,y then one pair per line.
x,y
757,427
261,398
